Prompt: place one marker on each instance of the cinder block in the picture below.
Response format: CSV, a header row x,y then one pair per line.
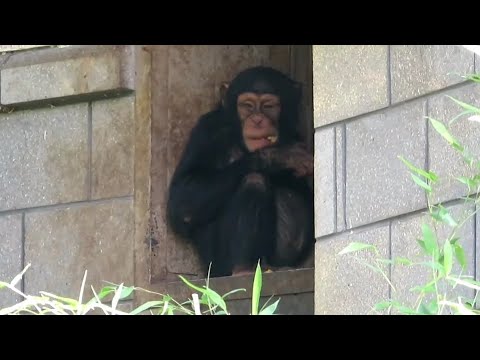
x,y
342,284
91,74
324,182
446,162
348,81
378,184
113,131
62,244
10,256
5,48
420,69
43,157
405,233
340,171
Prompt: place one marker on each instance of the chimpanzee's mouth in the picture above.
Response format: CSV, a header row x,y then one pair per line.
x,y
270,138
260,142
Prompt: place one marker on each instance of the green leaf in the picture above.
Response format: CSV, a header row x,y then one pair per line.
x,y
232,292
466,106
442,130
17,278
468,181
454,240
269,310
459,116
460,254
441,214
470,283
385,261
126,291
405,310
216,299
105,291
428,309
422,245
383,305
426,174
423,310
356,246
65,300
257,289
448,257
427,288
421,183
212,295
434,265
429,239
148,305
468,158
403,261
365,263
189,284
473,77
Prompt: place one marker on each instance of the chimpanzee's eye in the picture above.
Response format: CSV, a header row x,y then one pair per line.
x,y
246,105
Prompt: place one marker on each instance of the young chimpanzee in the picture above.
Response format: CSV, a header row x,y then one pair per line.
x,y
240,191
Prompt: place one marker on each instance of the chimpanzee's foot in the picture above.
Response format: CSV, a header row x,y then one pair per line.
x,y
242,270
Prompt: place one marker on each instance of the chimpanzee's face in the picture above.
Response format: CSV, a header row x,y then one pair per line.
x,y
259,115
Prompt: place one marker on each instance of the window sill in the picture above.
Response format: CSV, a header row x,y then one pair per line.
x,y
281,282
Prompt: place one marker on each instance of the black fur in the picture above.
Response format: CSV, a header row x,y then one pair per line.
x,y
233,207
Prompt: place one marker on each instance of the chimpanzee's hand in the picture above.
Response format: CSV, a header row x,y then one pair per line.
x,y
293,157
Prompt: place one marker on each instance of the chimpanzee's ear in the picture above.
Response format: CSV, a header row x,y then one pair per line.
x,y
223,91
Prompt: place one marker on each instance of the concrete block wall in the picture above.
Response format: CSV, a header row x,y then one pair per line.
x,y
370,104
66,168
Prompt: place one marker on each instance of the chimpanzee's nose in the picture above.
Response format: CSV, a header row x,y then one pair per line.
x,y
257,118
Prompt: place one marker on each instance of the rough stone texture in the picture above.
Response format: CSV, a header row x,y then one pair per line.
x,y
62,244
378,184
143,166
43,157
340,170
405,233
324,182
344,286
126,306
56,79
10,256
295,304
348,81
191,72
4,48
477,63
113,133
420,69
446,162
280,56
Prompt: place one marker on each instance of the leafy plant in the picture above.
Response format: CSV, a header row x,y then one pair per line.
x,y
210,301
442,293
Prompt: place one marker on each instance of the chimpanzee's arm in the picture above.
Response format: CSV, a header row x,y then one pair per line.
x,y
198,189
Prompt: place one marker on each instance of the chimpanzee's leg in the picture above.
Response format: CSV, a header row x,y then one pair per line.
x,y
294,228
248,224
213,254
